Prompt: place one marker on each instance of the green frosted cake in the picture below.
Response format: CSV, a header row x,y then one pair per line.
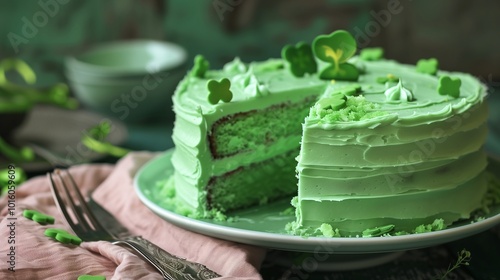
x,y
375,144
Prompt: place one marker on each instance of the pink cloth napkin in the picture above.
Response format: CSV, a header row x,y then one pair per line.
x,y
39,257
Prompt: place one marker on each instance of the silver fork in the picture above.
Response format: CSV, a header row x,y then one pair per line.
x,y
86,226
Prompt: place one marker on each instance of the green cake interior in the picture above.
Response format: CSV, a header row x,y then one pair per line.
x,y
249,131
258,183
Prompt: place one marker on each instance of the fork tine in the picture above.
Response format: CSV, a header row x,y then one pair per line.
x,y
94,223
72,204
62,205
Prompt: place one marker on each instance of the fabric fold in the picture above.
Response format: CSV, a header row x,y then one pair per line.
x,y
39,257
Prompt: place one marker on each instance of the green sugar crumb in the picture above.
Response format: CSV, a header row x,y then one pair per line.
x,y
357,108
328,231
167,188
438,224
478,219
294,228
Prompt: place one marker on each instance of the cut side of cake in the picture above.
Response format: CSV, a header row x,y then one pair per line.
x,y
364,145
232,155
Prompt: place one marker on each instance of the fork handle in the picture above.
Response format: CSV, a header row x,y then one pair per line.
x,y
168,264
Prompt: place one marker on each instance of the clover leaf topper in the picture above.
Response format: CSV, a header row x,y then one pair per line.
x,y
219,90
300,58
449,86
336,49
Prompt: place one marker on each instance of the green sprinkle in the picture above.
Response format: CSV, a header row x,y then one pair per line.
x,y
91,277
449,86
62,236
219,91
38,217
428,66
371,54
377,231
301,59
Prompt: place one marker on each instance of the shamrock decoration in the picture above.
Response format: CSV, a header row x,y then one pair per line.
x,y
334,102
63,236
349,90
449,86
219,91
91,277
38,217
427,66
200,66
371,54
301,59
389,78
336,49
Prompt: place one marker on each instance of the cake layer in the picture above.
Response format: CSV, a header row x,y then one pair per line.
x,y
353,214
254,184
452,146
317,182
249,131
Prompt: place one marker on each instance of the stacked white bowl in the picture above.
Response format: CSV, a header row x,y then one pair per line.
x,y
128,80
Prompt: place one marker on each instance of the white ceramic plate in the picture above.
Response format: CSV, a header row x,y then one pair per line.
x,y
264,226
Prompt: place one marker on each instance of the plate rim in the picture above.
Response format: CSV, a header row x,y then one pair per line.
x,y
286,242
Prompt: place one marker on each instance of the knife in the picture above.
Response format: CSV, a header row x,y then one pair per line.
x,y
173,266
